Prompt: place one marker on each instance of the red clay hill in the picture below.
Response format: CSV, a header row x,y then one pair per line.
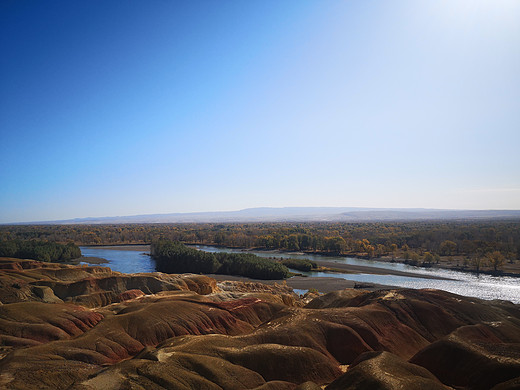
x,y
83,328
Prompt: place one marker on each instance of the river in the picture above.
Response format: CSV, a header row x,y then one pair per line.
x,y
462,283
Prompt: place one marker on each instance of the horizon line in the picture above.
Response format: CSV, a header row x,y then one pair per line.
x,y
404,209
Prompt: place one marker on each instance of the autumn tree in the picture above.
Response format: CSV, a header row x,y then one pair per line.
x,y
448,247
380,250
437,258
414,258
428,258
477,260
495,259
393,249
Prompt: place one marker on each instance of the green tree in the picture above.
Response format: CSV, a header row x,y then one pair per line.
x,y
8,248
428,258
292,243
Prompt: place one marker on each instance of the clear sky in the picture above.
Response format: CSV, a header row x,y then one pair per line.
x,y
134,107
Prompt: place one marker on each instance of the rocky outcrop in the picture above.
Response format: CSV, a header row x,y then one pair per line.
x,y
85,328
30,280
484,355
385,371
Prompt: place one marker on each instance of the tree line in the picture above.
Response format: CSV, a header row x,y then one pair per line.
x,y
175,257
422,242
39,250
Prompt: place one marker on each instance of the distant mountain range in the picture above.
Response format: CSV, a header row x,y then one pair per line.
x,y
301,214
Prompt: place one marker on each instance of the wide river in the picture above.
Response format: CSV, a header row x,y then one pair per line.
x,y
462,283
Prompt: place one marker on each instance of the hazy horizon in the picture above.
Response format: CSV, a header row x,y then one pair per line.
x,y
251,208
294,214
124,109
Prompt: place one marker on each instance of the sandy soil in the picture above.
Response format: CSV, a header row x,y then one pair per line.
x,y
138,248
360,269
324,285
89,260
456,263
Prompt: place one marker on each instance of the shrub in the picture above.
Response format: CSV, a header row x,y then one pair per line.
x,y
300,264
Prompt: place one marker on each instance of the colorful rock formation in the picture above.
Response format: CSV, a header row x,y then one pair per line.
x,y
84,328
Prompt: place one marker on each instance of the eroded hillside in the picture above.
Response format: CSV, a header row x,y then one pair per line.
x,y
70,327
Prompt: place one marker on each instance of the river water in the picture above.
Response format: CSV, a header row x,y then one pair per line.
x,y
462,283
127,261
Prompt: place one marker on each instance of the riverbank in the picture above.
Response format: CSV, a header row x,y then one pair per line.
x,y
88,259
379,274
125,247
321,284
343,268
450,263
360,269
458,265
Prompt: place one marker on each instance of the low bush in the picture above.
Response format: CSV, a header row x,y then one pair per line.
x,y
300,264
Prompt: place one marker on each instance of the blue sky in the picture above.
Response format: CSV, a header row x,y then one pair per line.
x,y
126,107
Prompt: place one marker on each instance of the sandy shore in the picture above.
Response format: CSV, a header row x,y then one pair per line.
x,y
88,260
323,285
361,269
457,264
138,248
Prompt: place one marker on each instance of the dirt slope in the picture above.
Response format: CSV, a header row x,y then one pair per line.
x,y
67,327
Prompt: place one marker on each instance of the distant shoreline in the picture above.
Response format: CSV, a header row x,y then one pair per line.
x,y
121,247
344,268
322,284
509,271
